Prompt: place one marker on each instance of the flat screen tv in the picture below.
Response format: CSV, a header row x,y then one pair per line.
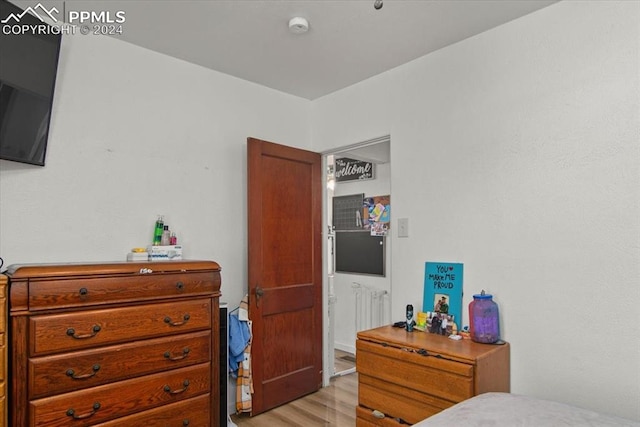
x,y
28,67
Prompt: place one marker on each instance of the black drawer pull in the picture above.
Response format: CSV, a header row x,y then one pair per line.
x,y
185,353
94,370
72,413
185,318
83,292
185,383
179,286
72,333
185,423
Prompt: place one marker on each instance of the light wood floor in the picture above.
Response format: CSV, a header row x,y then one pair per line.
x,y
334,405
343,361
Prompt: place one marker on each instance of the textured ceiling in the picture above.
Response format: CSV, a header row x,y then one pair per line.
x,y
348,40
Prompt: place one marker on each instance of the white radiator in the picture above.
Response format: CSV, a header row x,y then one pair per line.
x,y
370,306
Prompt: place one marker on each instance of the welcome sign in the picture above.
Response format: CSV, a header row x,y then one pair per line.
x,y
352,170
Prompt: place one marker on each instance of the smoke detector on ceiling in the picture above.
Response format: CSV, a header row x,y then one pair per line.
x,y
298,25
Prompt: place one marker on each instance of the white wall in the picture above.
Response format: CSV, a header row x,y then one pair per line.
x,y
345,308
516,153
135,134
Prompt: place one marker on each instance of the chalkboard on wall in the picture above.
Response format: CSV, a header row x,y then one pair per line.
x,y
359,252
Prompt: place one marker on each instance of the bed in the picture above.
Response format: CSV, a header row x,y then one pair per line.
x,y
511,410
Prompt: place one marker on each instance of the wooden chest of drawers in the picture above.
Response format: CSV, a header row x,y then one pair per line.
x,y
409,376
115,344
4,360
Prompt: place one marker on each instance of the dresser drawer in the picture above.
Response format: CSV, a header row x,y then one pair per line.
x,y
365,418
396,401
3,314
82,292
83,369
194,412
431,374
3,357
3,408
92,328
104,403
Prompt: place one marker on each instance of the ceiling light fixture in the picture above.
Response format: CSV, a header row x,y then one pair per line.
x,y
298,25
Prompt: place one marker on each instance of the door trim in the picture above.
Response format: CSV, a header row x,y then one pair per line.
x,y
327,359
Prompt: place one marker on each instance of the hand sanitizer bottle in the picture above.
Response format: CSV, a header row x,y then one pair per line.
x,y
157,234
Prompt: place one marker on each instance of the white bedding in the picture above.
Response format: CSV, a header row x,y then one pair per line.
x,y
512,410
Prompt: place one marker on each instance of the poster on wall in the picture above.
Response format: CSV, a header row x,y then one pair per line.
x,y
377,215
442,299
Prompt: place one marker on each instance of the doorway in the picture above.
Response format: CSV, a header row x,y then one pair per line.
x,y
355,300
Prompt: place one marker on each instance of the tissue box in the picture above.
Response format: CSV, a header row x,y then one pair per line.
x,y
165,253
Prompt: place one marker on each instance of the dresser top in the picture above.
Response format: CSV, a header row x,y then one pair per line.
x,y
22,271
432,343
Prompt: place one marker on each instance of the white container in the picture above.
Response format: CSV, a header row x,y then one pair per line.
x,y
138,256
165,253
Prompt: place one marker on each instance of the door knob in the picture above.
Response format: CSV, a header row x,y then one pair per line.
x,y
259,294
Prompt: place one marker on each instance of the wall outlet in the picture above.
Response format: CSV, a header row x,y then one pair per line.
x,y
403,227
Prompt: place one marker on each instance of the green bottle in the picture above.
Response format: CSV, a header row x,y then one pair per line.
x,y
157,233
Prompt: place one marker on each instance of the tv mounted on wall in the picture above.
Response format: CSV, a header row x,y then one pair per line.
x,y
28,67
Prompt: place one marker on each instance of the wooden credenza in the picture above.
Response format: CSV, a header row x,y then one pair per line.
x,y
408,376
115,344
4,359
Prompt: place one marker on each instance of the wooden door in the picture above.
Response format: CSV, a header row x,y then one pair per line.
x,y
285,272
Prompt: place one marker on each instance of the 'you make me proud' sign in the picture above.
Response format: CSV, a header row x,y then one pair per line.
x,y
443,289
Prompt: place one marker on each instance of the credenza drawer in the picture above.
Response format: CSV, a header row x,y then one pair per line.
x,y
92,328
396,401
3,314
451,380
83,369
65,293
103,403
194,412
366,418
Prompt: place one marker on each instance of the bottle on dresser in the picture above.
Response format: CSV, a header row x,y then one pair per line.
x,y
166,235
158,230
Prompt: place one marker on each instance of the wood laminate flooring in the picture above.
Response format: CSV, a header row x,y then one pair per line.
x,y
343,362
334,405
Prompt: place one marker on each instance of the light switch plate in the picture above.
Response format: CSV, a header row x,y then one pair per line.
x,y
403,227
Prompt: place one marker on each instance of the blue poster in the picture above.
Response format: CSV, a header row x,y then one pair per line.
x,y
443,291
